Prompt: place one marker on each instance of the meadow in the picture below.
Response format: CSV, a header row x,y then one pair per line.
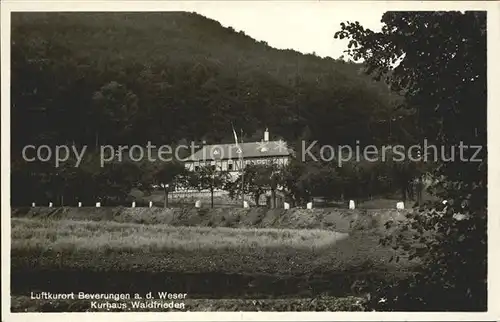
x,y
71,235
61,251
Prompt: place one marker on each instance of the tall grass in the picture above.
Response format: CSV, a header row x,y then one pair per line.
x,y
64,235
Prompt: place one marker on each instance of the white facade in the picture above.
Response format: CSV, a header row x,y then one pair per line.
x,y
234,157
235,165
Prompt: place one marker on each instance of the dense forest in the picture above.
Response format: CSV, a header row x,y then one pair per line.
x,y
116,78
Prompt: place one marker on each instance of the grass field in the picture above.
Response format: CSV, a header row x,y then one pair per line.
x,y
221,268
64,235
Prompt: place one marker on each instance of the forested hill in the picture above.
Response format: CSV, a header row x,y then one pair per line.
x,y
117,78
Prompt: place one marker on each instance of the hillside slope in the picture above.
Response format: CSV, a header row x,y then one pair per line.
x,y
134,77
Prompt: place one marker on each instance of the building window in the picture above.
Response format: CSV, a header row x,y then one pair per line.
x,y
230,166
196,168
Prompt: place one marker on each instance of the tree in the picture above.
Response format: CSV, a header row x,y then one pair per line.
x,y
169,174
301,180
113,182
208,177
292,171
437,60
275,177
258,178
116,107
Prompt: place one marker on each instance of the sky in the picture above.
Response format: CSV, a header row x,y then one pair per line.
x,y
305,27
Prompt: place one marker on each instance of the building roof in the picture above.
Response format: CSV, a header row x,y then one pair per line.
x,y
261,149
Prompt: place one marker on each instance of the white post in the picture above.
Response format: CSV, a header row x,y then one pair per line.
x,y
309,205
150,204
50,204
286,205
400,205
351,204
245,204
33,205
133,204
79,203
97,204
197,204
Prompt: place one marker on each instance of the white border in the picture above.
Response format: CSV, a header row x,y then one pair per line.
x,y
493,9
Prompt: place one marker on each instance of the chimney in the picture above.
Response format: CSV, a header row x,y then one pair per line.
x,y
266,135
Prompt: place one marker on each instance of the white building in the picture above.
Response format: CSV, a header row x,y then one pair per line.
x,y
230,157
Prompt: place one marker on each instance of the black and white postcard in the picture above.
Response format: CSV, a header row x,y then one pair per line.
x,y
250,160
